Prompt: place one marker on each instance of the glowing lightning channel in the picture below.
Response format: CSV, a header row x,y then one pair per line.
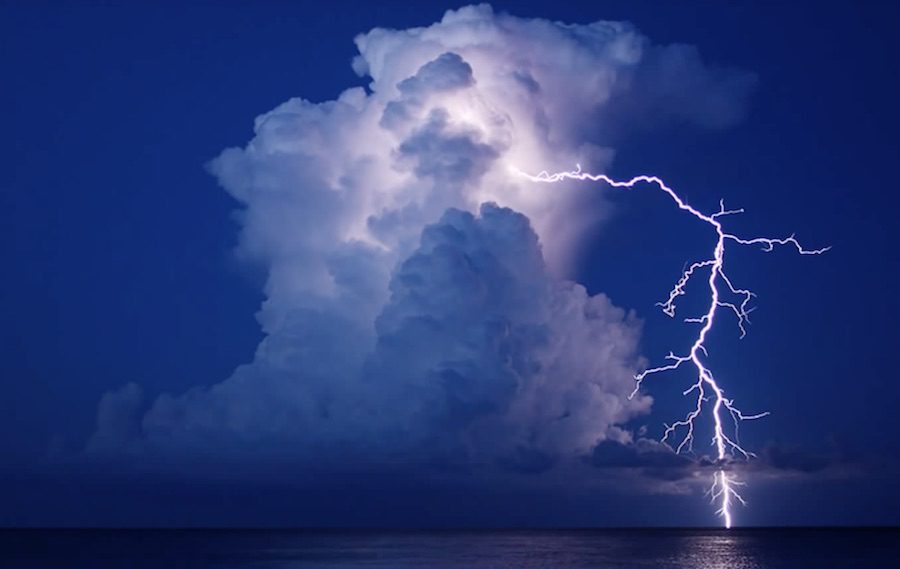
x,y
723,485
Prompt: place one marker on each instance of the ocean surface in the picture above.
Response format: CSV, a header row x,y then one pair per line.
x,y
611,549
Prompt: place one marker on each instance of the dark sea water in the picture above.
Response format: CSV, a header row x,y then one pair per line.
x,y
708,549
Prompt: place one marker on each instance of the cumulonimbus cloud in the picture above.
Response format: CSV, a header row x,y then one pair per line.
x,y
416,293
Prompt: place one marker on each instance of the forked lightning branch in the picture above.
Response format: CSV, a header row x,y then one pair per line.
x,y
706,389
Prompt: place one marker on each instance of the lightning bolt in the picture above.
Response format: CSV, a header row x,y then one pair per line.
x,y
723,490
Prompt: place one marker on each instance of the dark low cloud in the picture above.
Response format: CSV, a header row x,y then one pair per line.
x,y
775,460
651,460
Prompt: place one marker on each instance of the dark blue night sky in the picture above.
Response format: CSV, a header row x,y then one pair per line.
x,y
120,267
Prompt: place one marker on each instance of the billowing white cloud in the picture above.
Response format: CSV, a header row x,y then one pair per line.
x,y
416,300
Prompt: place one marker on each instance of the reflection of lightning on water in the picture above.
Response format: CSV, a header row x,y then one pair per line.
x,y
706,387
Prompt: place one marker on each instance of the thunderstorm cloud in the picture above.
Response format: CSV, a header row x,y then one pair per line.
x,y
418,304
